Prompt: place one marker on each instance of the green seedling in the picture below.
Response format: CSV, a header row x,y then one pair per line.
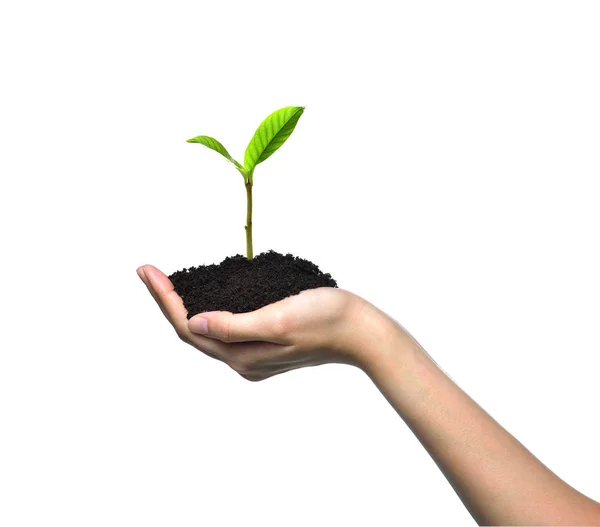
x,y
269,136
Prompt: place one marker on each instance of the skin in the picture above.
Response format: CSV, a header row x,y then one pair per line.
x,y
498,480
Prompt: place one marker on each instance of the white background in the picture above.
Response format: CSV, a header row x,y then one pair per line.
x,y
446,168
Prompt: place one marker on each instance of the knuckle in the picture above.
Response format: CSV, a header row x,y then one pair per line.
x,y
281,325
227,330
253,377
242,366
182,335
221,329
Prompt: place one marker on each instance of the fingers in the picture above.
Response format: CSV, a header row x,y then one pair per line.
x,y
264,324
171,304
163,292
144,279
220,334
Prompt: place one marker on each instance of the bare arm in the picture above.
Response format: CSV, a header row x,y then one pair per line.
x,y
499,481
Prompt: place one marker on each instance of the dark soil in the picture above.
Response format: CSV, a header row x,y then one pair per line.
x,y
240,285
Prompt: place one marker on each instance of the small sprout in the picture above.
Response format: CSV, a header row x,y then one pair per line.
x,y
269,136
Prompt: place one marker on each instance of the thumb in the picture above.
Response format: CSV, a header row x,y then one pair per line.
x,y
239,327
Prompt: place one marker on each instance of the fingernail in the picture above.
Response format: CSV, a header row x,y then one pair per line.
x,y
141,274
198,325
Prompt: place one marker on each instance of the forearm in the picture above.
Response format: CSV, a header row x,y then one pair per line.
x,y
496,477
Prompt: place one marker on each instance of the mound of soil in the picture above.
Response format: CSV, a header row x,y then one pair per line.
x,y
240,285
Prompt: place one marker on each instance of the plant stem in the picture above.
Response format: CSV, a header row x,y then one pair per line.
x,y
249,251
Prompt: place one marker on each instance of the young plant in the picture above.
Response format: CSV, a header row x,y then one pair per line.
x,y
269,136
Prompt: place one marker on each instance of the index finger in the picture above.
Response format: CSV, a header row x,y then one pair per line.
x,y
164,293
171,304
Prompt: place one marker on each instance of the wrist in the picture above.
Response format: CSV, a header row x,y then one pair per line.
x,y
377,341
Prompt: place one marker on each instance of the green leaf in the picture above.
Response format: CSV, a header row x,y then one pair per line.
x,y
270,135
212,143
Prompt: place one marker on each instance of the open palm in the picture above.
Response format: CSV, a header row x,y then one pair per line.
x,y
314,327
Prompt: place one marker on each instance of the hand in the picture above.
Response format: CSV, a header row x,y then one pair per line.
x,y
317,326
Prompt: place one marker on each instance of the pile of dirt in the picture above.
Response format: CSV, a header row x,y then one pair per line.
x,y
240,285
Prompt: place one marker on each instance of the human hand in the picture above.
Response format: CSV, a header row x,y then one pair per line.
x,y
317,326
